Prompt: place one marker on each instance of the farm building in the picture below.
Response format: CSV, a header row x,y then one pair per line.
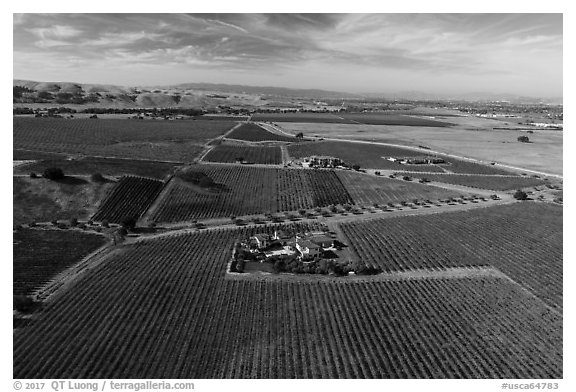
x,y
261,240
283,237
308,248
426,160
322,161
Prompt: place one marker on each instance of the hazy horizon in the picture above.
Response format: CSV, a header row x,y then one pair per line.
x,y
357,53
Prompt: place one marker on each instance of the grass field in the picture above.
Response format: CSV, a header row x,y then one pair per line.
x,y
367,190
270,155
157,140
496,183
163,309
104,166
249,190
254,133
523,240
41,254
42,200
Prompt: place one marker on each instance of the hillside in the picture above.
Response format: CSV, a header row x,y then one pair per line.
x,y
187,95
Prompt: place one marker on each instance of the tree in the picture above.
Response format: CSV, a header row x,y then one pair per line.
x,y
302,212
523,139
24,304
128,222
240,265
97,177
299,135
356,167
520,195
33,175
53,173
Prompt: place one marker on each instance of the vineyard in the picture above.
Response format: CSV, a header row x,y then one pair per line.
x,y
162,308
250,154
522,240
249,190
156,140
131,197
254,133
41,254
104,166
367,190
495,183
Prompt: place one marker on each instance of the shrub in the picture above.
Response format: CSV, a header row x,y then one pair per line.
x,y
523,139
105,223
53,173
73,222
520,195
33,175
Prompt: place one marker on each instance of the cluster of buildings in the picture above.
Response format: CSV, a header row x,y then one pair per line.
x,y
307,245
322,161
417,160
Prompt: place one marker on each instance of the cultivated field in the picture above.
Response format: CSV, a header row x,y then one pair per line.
x,y
23,155
269,155
249,190
254,133
372,118
41,254
130,198
42,200
474,139
156,140
104,166
369,156
163,308
299,118
384,118
367,189
523,240
496,183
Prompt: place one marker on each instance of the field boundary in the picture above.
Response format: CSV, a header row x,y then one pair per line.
x,y
69,275
448,273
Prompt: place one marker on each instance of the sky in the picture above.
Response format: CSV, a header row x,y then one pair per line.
x,y
358,53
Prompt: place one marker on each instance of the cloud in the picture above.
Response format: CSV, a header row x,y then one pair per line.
x,y
272,44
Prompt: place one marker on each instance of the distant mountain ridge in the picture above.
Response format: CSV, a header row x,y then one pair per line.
x,y
209,95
